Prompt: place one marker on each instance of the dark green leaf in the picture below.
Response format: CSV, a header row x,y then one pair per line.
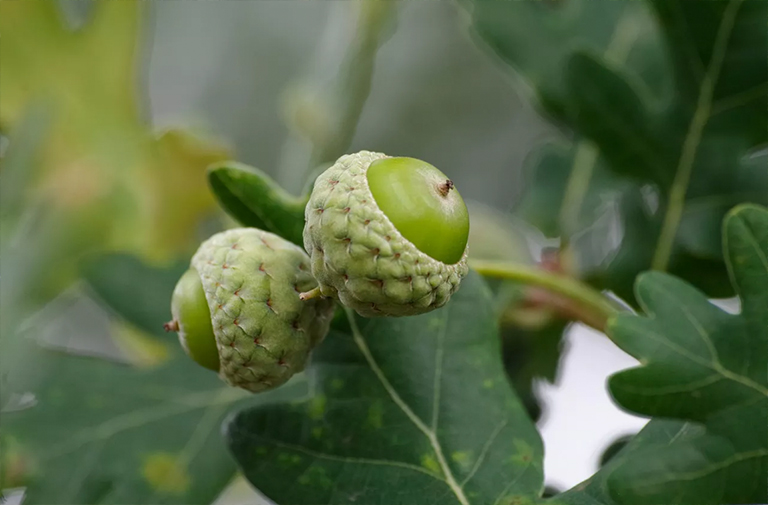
x,y
685,142
604,108
537,37
407,410
530,355
657,433
110,434
255,200
704,365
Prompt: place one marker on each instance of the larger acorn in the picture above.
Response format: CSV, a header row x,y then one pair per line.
x,y
238,311
387,236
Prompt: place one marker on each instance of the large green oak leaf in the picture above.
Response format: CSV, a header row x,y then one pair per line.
x,y
413,410
707,366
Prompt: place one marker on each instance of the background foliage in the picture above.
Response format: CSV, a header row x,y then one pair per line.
x,y
638,127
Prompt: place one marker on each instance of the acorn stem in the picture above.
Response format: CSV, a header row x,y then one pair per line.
x,y
445,187
171,326
308,295
596,307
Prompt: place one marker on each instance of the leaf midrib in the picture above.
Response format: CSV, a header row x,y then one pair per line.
x,y
701,115
450,480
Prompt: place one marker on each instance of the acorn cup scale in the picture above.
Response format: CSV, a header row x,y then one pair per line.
x,y
262,331
386,236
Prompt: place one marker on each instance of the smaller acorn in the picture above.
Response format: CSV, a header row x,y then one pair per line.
x,y
386,236
237,309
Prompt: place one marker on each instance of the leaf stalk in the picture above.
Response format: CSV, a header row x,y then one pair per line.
x,y
586,303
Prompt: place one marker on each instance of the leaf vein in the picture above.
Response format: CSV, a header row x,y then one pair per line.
x,y
363,346
437,386
687,158
341,459
484,451
736,458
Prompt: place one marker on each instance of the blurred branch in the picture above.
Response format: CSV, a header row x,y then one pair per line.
x,y
568,296
587,153
326,108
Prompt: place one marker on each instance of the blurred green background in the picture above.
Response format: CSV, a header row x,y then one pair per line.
x,y
111,112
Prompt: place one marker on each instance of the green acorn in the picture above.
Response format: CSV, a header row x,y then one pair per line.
x,y
238,311
386,236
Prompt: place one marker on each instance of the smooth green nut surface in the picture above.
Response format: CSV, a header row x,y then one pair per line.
x,y
361,257
263,332
192,319
422,204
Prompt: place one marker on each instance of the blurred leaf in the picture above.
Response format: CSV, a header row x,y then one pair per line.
x,y
19,159
255,200
111,181
670,159
138,292
102,432
614,448
704,365
127,435
538,37
497,236
421,401
532,354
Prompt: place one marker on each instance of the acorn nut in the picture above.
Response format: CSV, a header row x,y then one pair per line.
x,y
238,312
386,236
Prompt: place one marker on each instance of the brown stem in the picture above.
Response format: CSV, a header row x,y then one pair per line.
x,y
171,326
312,293
566,308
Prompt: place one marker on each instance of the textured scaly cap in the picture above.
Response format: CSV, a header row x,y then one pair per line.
x,y
264,333
359,256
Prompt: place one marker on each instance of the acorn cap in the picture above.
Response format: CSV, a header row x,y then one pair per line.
x,y
264,333
359,256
